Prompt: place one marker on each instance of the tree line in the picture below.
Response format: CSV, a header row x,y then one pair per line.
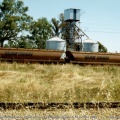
x,y
18,29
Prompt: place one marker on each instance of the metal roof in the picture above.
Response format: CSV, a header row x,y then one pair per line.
x,y
88,41
56,38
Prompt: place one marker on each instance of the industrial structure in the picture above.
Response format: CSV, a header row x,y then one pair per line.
x,y
90,46
73,35
56,43
72,18
83,52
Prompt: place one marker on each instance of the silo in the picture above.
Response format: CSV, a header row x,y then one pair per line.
x,y
90,46
56,43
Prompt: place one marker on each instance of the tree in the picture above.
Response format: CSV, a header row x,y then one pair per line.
x,y
62,28
40,31
101,47
13,20
22,42
58,26
55,26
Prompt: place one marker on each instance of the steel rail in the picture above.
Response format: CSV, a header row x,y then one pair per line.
x,y
76,105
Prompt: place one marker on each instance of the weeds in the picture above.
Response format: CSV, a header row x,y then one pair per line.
x,y
58,83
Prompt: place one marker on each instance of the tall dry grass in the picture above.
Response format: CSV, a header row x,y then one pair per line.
x,y
58,83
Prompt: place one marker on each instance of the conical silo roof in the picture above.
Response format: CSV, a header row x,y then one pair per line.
x,y
56,38
88,41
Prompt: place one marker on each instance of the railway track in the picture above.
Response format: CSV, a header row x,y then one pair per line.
x,y
76,105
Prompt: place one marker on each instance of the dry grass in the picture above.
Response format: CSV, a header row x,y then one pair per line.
x,y
58,83
68,114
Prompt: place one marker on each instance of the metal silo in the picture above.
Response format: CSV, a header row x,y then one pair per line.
x,y
56,43
90,46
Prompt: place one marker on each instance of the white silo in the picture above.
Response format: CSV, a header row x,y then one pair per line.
x,y
56,43
90,46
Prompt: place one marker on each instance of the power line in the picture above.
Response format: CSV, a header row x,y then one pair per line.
x,y
115,32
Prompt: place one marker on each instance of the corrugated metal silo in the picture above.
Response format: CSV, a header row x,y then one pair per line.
x,y
90,46
56,43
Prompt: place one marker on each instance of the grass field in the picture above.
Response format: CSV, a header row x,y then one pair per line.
x,y
58,83
67,114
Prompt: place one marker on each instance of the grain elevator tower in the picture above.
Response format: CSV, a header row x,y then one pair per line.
x,y
73,32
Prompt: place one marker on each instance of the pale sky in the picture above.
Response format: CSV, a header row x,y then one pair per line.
x,y
100,19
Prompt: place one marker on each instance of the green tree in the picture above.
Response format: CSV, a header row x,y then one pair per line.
x,y
22,42
40,31
62,28
101,47
13,20
58,26
55,26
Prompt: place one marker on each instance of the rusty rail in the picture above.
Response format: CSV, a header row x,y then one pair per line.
x,y
76,105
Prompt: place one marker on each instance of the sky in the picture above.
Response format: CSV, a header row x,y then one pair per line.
x,y
100,19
